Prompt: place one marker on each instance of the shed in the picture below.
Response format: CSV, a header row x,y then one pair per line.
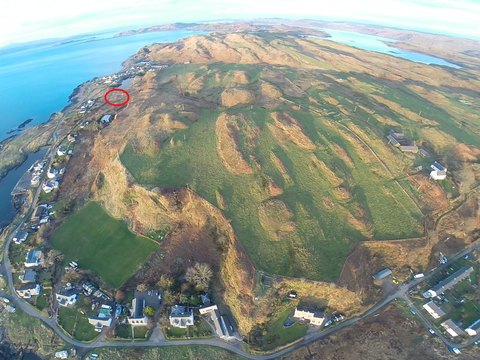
x,y
382,274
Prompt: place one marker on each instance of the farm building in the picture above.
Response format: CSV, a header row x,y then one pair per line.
x,y
316,317
28,290
180,317
396,135
438,175
449,282
452,328
382,274
424,153
473,329
393,141
434,310
28,276
137,318
409,148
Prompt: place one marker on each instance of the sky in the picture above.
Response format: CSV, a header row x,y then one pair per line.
x,y
28,20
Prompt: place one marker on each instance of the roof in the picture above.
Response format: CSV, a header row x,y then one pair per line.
x,y
437,166
452,280
435,308
33,256
138,305
38,211
316,312
21,236
475,326
409,148
227,324
382,274
177,310
424,152
29,275
102,321
67,293
393,140
449,324
396,134
106,117
27,287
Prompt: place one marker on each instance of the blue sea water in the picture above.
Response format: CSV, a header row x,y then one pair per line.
x,y
36,82
377,44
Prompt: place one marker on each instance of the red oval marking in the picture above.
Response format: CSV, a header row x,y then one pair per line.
x,y
108,92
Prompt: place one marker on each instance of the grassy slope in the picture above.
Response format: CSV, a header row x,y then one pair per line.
x,y
322,237
100,243
170,352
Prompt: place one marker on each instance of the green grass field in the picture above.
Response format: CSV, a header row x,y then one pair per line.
x,y
102,244
323,237
279,335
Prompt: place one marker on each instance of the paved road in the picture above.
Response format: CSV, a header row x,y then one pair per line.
x,y
157,339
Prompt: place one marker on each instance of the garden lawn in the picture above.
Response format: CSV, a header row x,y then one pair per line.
x,y
279,335
100,243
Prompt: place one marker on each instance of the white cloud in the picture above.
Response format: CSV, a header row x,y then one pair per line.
x,y
25,20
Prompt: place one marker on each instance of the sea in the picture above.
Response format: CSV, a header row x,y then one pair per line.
x,y
37,79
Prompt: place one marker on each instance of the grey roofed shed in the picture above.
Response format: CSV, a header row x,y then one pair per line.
x,y
382,274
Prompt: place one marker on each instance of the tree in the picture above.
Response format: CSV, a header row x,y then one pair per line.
x,y
120,295
142,287
169,298
200,275
165,282
183,299
149,311
52,257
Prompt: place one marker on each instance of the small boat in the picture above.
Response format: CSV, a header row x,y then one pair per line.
x,y
118,311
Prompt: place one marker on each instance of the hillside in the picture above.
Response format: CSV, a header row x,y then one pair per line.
x,y
272,147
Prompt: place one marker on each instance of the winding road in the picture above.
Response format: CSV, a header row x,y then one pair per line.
x,y
157,340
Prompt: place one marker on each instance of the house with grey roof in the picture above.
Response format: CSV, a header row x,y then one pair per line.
x,y
34,258
181,317
453,329
396,135
137,318
221,323
28,290
20,237
449,282
409,148
434,310
393,141
67,298
28,276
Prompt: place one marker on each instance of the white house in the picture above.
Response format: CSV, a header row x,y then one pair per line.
x,y
180,317
34,258
473,329
438,174
52,173
434,310
315,317
100,322
138,318
452,328
28,290
222,325
20,237
66,298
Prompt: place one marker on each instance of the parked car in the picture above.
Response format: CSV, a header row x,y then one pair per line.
x,y
431,331
149,292
328,323
413,311
157,293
